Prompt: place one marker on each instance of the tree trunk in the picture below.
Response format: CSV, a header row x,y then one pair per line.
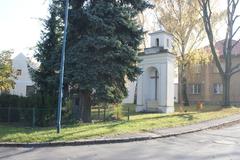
x,y
85,106
184,91
42,99
226,90
179,88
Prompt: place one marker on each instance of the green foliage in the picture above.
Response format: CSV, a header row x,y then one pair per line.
x,y
21,109
67,109
118,111
103,41
6,71
48,52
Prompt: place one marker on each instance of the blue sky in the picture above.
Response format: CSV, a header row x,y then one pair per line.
x,y
20,25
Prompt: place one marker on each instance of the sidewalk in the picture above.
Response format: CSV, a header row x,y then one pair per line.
x,y
155,134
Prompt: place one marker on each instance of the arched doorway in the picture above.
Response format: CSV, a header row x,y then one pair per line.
x,y
152,84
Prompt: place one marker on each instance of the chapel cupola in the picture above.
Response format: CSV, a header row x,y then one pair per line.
x,y
161,39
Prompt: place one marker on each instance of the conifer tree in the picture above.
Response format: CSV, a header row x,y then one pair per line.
x,y
48,52
103,41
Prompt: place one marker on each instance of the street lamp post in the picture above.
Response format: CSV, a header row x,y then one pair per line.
x,y
60,94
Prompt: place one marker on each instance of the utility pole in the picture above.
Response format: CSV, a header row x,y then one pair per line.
x,y
60,94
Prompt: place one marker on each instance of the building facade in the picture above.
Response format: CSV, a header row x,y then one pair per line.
x,y
24,86
205,83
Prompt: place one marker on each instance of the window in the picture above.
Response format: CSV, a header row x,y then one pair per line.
x,y
30,90
19,72
197,68
217,88
196,89
157,42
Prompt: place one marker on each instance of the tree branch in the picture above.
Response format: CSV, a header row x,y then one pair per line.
x,y
235,72
235,31
238,41
235,67
205,6
235,18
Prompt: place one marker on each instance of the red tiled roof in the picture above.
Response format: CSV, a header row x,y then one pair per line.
x,y
219,47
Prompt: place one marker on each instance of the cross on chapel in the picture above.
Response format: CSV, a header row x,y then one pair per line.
x,y
156,83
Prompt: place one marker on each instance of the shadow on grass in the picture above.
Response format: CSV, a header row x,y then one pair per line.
x,y
84,131
76,131
109,128
8,130
187,116
194,108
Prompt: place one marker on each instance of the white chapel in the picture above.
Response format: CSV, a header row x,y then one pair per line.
x,y
155,87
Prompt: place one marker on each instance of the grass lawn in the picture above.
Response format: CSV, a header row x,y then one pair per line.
x,y
137,123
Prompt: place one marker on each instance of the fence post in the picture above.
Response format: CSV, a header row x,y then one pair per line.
x,y
9,114
104,114
128,113
98,113
33,117
117,111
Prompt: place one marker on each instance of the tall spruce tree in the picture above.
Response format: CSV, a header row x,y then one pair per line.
x,y
103,41
48,52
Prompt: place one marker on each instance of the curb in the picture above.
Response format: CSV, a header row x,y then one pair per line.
x,y
193,128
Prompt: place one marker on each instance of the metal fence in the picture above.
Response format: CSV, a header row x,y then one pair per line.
x,y
47,116
111,113
28,116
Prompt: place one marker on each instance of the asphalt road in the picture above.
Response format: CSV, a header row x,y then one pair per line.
x,y
222,144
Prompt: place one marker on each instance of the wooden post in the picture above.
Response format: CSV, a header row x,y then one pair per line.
x,y
9,114
128,113
117,112
33,117
98,113
104,113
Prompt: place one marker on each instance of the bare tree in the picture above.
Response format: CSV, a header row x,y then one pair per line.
x,y
229,70
182,18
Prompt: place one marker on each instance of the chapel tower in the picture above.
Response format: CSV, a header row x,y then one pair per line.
x,y
155,87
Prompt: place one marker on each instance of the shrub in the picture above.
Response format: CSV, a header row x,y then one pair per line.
x,y
118,111
24,109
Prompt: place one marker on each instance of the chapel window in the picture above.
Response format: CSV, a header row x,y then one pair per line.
x,y
19,72
157,42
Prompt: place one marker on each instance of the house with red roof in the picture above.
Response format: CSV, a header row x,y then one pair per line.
x,y
205,83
